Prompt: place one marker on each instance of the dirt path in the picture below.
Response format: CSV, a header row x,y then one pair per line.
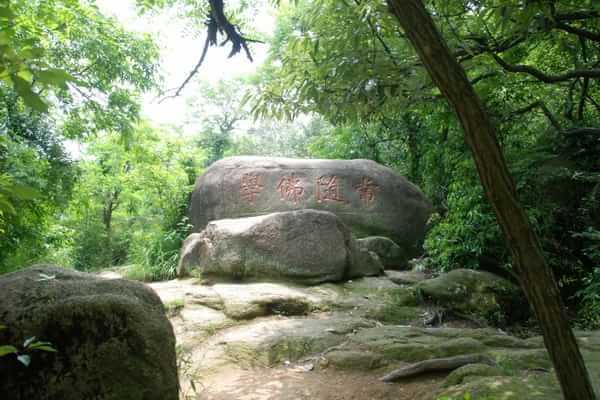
x,y
294,383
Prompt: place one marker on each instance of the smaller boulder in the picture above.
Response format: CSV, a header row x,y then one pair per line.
x,y
479,294
391,255
305,246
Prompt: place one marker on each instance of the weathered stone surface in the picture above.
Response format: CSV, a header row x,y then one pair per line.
x,y
532,386
112,338
457,376
343,331
306,246
262,299
391,255
271,341
476,293
405,277
370,198
349,359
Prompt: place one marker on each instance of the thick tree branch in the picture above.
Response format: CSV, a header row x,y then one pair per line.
x,y
216,23
536,73
558,20
577,15
594,36
541,105
583,131
584,91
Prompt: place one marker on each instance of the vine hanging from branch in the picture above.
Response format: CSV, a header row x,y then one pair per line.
x,y
217,24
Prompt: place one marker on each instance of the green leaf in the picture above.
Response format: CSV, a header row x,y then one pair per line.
x,y
28,341
6,13
4,39
44,347
6,206
4,350
24,359
30,98
25,74
24,192
55,77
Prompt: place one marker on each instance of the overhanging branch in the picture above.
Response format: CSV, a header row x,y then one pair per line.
x,y
218,23
546,78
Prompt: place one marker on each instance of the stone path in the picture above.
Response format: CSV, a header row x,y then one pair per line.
x,y
263,341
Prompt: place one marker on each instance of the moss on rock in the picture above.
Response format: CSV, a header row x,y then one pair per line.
x,y
457,376
475,293
352,359
539,386
514,360
112,338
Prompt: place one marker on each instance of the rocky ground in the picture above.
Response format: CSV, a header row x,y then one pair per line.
x,y
264,341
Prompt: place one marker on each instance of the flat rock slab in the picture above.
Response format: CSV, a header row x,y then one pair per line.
x,y
370,198
274,340
261,299
341,353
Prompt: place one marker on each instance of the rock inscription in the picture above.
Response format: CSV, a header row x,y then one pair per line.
x,y
370,198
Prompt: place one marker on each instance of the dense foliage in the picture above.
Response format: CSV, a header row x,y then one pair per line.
x,y
534,65
341,81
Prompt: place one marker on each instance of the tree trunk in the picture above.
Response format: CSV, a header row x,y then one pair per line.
x,y
535,275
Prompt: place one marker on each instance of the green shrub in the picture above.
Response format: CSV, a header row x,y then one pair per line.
x,y
468,231
94,249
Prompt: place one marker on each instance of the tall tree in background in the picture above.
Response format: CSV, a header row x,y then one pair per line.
x,y
66,71
535,276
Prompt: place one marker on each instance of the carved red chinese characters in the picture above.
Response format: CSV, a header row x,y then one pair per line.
x,y
367,189
250,187
290,188
329,188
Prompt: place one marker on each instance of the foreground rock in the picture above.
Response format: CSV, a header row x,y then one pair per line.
x,y
370,198
112,338
306,246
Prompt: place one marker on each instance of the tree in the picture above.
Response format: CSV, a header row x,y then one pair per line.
x,y
535,276
66,71
36,178
349,63
65,52
216,115
130,201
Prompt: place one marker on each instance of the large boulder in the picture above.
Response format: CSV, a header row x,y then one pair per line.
x,y
112,338
305,246
370,198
